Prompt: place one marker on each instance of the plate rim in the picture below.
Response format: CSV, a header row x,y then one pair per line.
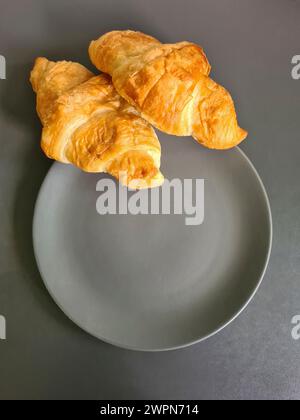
x,y
190,343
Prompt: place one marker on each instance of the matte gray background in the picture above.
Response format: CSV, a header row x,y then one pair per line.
x,y
250,44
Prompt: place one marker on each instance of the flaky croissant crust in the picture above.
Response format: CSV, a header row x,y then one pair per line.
x,y
169,84
87,123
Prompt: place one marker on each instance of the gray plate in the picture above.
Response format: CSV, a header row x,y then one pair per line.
x,y
149,282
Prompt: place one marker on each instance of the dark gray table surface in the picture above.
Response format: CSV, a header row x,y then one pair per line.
x,y
250,44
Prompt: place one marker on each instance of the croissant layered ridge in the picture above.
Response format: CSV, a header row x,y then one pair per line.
x,y
169,84
88,124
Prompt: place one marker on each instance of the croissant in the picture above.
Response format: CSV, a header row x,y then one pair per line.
x,y
86,123
169,85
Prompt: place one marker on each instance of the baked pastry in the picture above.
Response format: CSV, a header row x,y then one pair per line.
x,y
170,86
87,123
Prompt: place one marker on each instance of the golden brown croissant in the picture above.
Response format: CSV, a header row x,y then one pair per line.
x,y
86,122
169,85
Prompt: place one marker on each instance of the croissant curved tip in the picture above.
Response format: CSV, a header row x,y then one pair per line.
x,y
217,143
141,184
39,64
244,134
91,45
